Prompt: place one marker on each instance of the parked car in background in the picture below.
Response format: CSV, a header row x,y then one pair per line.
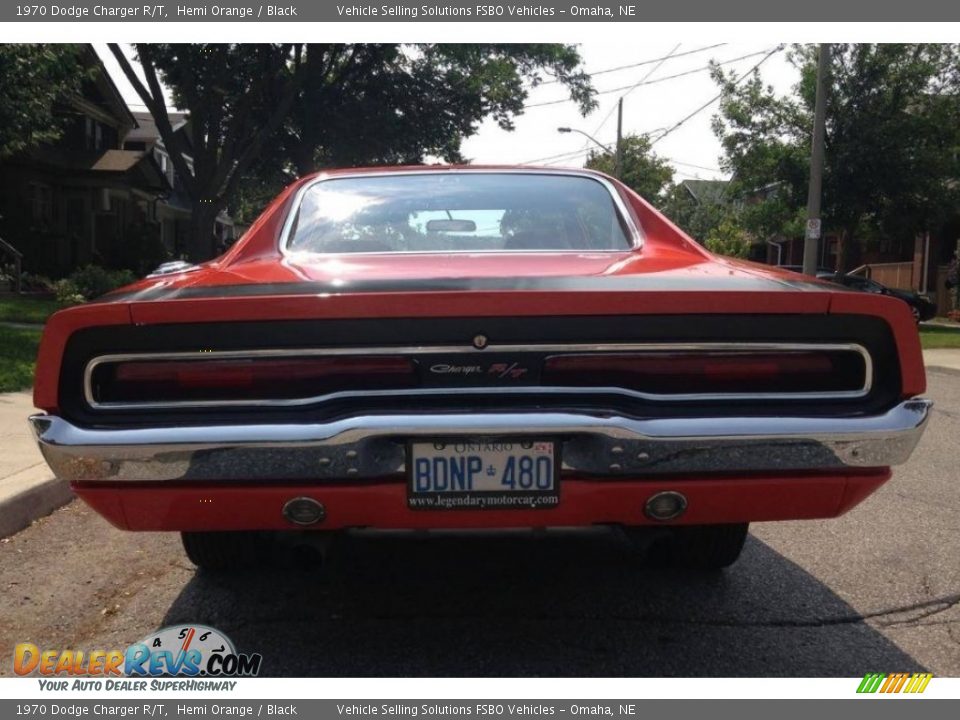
x,y
430,347
921,307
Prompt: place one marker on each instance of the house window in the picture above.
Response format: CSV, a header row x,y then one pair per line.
x,y
41,203
94,134
166,166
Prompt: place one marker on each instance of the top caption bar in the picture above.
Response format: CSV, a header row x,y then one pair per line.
x,y
472,11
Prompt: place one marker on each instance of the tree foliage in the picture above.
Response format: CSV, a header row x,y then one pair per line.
x,y
728,238
696,218
643,171
368,104
261,113
33,80
892,134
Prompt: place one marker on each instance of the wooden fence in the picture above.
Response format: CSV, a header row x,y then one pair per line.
x,y
900,275
894,275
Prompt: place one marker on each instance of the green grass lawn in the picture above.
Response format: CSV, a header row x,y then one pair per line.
x,y
939,337
18,356
27,309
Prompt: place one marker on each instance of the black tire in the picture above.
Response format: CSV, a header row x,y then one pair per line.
x,y
708,547
916,313
226,550
695,547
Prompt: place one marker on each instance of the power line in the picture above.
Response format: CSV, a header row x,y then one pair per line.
x,y
712,100
573,154
558,155
644,62
619,104
698,167
650,82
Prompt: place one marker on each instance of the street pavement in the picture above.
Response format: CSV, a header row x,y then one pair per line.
x,y
877,590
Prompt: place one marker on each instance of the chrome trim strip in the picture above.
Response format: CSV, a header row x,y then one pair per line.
x,y
374,446
636,233
414,350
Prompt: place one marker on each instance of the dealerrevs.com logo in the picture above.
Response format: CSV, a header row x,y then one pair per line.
x,y
182,651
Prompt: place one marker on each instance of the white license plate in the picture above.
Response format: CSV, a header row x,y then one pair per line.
x,y
482,474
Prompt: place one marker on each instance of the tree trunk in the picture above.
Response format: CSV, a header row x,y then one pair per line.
x,y
202,242
845,248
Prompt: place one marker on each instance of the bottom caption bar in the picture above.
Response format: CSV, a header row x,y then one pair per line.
x,y
395,709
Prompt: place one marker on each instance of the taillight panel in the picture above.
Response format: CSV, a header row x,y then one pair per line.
x,y
838,372
708,371
136,381
659,363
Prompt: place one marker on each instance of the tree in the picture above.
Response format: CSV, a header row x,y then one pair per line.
x,y
696,217
236,96
643,171
891,139
259,111
33,79
729,238
370,104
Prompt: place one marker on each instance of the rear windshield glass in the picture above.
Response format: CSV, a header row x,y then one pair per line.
x,y
457,212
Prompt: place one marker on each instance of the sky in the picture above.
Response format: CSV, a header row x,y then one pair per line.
x,y
660,101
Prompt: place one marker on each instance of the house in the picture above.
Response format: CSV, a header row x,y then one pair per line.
x,y
83,199
104,193
704,192
173,209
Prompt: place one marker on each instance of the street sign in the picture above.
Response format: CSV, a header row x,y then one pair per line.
x,y
813,229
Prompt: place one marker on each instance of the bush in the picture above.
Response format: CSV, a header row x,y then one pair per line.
x,y
92,281
89,283
67,293
729,239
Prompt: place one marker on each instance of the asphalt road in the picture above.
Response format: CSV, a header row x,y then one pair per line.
x,y
877,590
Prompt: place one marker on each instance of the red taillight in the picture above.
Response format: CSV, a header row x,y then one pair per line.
x,y
707,373
165,381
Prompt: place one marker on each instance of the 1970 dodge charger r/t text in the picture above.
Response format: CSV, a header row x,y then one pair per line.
x,y
475,348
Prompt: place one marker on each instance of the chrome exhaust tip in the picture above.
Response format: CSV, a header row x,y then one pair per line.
x,y
667,505
304,511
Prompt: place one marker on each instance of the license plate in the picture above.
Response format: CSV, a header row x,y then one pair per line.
x,y
482,474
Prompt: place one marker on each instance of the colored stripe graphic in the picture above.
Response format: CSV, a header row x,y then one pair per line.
x,y
894,683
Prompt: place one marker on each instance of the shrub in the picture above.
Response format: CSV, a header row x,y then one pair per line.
x,y
67,293
729,239
92,281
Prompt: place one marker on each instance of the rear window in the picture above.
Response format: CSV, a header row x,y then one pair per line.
x,y
457,212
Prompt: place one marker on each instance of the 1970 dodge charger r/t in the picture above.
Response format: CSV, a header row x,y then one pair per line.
x,y
467,347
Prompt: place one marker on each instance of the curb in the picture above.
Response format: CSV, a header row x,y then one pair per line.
x,y
30,495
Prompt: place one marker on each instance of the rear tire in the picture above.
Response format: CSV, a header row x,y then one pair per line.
x,y
695,547
226,550
709,547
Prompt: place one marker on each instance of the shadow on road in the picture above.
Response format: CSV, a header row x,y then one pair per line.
x,y
564,604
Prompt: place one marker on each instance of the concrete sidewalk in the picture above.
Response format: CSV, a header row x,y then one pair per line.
x,y
28,489
947,358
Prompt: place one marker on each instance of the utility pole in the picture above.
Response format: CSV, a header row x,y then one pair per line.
x,y
618,160
812,240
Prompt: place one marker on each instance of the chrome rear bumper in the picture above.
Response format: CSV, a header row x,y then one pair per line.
x,y
375,445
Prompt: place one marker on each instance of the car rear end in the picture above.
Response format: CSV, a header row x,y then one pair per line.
x,y
694,393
